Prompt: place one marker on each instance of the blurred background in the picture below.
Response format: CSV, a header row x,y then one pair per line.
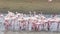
x,y
24,6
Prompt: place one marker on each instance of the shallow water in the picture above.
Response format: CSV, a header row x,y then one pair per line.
x,y
24,32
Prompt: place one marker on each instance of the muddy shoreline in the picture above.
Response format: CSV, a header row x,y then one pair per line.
x,y
28,32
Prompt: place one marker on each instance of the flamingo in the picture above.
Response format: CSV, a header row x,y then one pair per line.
x,y
22,22
53,23
43,23
8,19
2,22
29,22
37,22
50,0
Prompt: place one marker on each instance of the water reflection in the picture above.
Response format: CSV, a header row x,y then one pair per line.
x,y
1,32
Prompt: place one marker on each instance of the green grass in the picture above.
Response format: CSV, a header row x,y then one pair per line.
x,y
30,5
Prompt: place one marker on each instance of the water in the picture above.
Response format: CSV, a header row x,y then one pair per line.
x,y
23,32
1,32
11,32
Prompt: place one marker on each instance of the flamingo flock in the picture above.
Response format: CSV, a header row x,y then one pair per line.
x,y
19,21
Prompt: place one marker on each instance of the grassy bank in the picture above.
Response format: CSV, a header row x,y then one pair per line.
x,y
30,5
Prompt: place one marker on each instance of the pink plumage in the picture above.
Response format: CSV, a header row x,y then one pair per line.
x,y
49,0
